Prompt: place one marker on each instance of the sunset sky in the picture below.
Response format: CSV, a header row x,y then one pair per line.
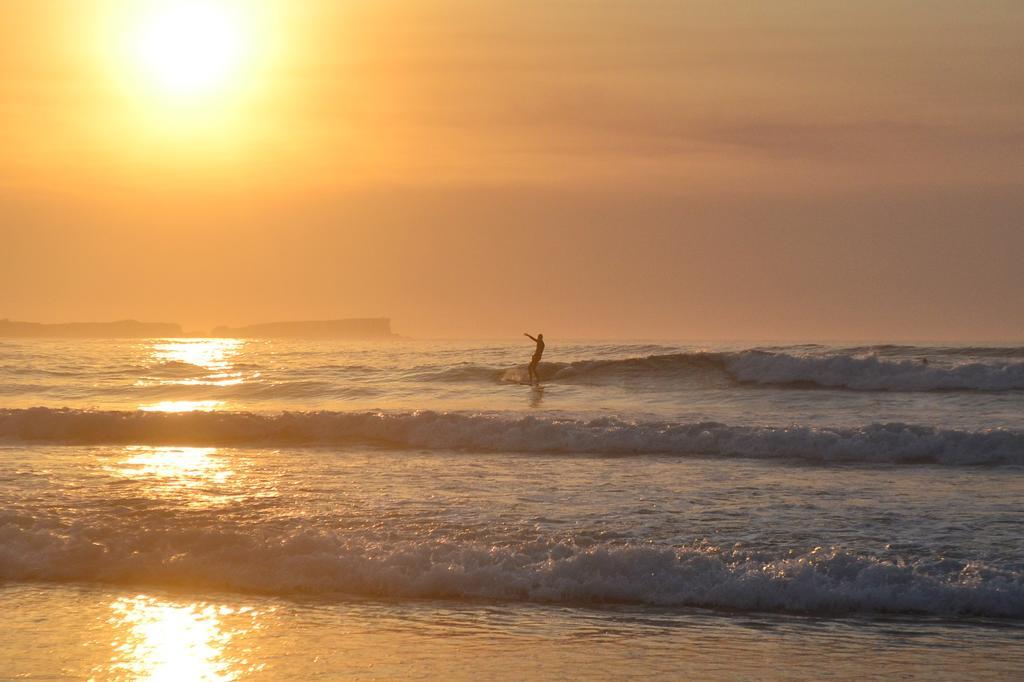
x,y
792,169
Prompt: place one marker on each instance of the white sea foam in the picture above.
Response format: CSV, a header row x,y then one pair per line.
x,y
315,561
854,371
880,443
872,373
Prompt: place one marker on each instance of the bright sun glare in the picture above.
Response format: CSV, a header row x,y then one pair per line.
x,y
190,49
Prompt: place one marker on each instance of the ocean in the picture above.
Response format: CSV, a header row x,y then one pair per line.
x,y
267,509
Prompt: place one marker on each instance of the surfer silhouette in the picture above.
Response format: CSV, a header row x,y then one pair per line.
x,y
532,369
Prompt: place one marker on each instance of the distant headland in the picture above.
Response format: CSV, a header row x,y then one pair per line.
x,y
356,328
122,329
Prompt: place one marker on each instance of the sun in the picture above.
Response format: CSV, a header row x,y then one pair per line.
x,y
191,49
189,80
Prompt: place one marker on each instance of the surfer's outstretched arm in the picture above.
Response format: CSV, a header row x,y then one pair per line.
x,y
530,337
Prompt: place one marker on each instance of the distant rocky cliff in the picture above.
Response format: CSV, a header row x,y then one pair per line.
x,y
361,328
124,329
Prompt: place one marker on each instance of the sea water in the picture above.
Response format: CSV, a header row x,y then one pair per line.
x,y
234,509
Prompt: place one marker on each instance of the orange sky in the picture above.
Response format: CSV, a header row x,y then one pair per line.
x,y
725,169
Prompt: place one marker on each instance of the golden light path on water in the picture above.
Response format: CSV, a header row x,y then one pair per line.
x,y
183,406
200,362
196,475
159,639
214,355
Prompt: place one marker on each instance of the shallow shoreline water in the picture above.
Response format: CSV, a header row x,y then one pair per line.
x,y
79,632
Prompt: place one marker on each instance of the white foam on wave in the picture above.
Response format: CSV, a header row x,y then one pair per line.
x,y
879,443
872,373
307,561
854,371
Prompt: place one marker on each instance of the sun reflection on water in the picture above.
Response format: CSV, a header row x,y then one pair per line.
x,y
195,362
212,354
183,406
193,476
188,467
158,639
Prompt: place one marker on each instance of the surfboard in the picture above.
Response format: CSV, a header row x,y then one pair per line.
x,y
520,376
516,375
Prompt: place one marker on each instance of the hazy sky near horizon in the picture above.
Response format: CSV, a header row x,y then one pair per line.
x,y
792,169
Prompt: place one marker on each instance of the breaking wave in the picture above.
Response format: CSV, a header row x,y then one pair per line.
x,y
282,561
872,373
867,368
873,443
768,368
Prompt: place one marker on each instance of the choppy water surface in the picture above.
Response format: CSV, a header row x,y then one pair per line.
x,y
651,509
